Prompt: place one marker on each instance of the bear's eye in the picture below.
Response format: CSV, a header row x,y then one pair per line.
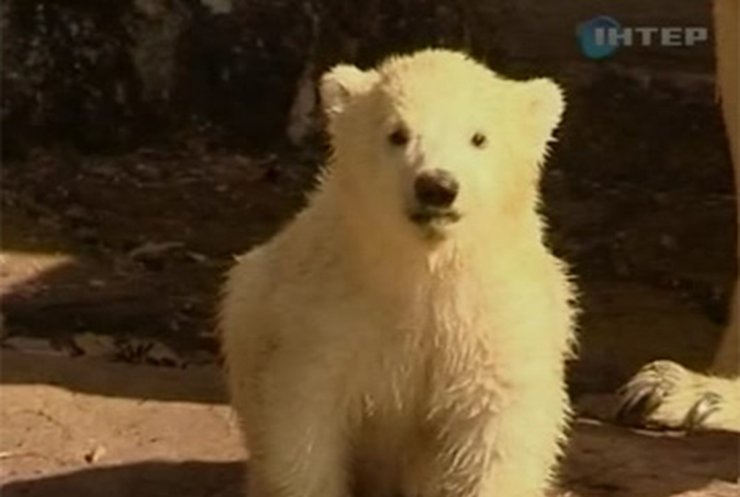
x,y
399,137
478,140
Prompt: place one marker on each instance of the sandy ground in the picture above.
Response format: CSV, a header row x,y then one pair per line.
x,y
84,427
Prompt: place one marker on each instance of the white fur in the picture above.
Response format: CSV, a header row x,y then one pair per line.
x,y
366,357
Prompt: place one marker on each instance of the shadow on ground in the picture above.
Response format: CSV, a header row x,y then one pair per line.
x,y
202,384
134,246
145,479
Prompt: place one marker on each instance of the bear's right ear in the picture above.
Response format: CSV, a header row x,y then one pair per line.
x,y
341,83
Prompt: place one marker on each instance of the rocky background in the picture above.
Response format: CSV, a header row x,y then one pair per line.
x,y
148,141
109,76
113,75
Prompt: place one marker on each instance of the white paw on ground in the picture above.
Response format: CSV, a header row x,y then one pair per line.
x,y
664,394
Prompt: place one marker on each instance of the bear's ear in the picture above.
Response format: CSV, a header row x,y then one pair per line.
x,y
542,107
341,83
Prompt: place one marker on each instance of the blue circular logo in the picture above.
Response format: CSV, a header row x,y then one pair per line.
x,y
597,37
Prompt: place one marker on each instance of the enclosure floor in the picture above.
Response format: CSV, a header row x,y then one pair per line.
x,y
81,427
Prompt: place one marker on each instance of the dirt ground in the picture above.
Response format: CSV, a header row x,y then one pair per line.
x,y
90,428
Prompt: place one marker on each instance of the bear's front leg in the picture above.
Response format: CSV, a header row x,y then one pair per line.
x,y
297,446
492,445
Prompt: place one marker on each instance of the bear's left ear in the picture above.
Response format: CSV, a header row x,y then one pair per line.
x,y
341,83
542,104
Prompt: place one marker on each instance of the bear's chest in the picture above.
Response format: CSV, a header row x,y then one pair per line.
x,y
400,354
398,384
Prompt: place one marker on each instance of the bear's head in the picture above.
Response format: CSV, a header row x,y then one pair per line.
x,y
432,142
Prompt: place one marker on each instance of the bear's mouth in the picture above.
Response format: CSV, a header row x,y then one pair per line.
x,y
438,217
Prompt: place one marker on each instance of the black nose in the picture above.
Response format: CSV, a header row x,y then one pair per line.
x,y
435,188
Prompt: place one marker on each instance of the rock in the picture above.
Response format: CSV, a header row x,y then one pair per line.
x,y
94,345
94,454
153,254
197,257
668,242
32,345
142,351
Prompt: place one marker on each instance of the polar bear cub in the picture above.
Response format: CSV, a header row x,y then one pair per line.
x,y
406,333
